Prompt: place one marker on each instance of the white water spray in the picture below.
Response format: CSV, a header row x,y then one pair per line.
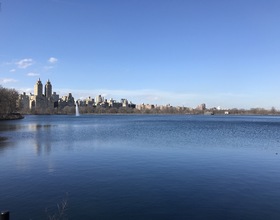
x,y
77,109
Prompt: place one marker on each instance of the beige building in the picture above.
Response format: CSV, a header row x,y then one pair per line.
x,y
38,100
43,101
201,107
145,106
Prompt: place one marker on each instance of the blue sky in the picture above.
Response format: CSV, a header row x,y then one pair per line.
x,y
180,52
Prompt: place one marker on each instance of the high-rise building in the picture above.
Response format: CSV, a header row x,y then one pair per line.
x,y
38,88
98,99
48,89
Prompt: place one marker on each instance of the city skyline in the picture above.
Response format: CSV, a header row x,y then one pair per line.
x,y
44,97
183,53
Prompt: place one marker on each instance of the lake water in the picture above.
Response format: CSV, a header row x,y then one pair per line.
x,y
141,167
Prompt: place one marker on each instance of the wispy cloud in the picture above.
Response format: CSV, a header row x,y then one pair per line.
x,y
33,74
7,63
53,60
26,90
12,70
24,63
48,67
7,80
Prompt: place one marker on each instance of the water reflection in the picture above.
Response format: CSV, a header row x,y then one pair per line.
x,y
42,146
42,140
5,144
35,127
40,135
9,127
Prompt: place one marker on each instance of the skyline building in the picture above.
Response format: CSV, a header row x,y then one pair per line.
x,y
38,88
43,101
48,89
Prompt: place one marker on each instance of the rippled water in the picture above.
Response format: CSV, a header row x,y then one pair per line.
x,y
141,167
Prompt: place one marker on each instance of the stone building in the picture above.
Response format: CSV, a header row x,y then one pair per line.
x,y
23,102
201,107
38,100
42,101
145,106
99,99
66,101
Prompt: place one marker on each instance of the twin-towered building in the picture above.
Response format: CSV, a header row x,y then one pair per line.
x,y
46,100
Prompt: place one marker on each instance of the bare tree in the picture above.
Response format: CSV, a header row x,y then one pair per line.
x,y
8,101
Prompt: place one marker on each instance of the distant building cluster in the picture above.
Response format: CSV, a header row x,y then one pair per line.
x,y
201,107
102,102
39,100
167,107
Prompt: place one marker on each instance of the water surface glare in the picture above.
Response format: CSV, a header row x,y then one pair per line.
x,y
141,167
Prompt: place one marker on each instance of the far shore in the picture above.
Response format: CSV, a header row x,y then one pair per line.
x,y
104,113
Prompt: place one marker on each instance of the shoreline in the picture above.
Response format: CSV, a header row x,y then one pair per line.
x,y
12,116
187,114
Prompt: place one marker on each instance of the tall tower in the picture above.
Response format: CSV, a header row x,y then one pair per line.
x,y
48,89
38,88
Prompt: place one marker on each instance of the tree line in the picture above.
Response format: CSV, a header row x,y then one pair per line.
x,y
69,110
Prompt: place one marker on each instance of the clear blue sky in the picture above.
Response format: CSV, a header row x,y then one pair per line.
x,y
180,52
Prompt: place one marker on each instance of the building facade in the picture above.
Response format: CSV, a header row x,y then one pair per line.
x,y
42,101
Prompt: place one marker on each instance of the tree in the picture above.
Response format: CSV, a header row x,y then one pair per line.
x,y
273,111
68,110
8,101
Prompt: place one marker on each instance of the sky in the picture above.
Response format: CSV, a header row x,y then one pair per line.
x,y
180,52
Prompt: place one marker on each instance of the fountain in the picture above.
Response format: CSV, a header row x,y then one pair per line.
x,y
77,109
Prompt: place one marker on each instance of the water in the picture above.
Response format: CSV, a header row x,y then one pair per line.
x,y
77,110
141,167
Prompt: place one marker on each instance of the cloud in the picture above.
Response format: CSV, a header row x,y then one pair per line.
x,y
33,74
12,70
53,60
7,80
26,90
48,67
7,63
24,63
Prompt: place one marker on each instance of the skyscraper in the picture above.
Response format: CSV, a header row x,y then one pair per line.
x,y
38,88
48,89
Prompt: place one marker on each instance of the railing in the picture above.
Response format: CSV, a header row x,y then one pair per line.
x,y
5,215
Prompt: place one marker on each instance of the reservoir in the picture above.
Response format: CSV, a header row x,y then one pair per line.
x,y
141,167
